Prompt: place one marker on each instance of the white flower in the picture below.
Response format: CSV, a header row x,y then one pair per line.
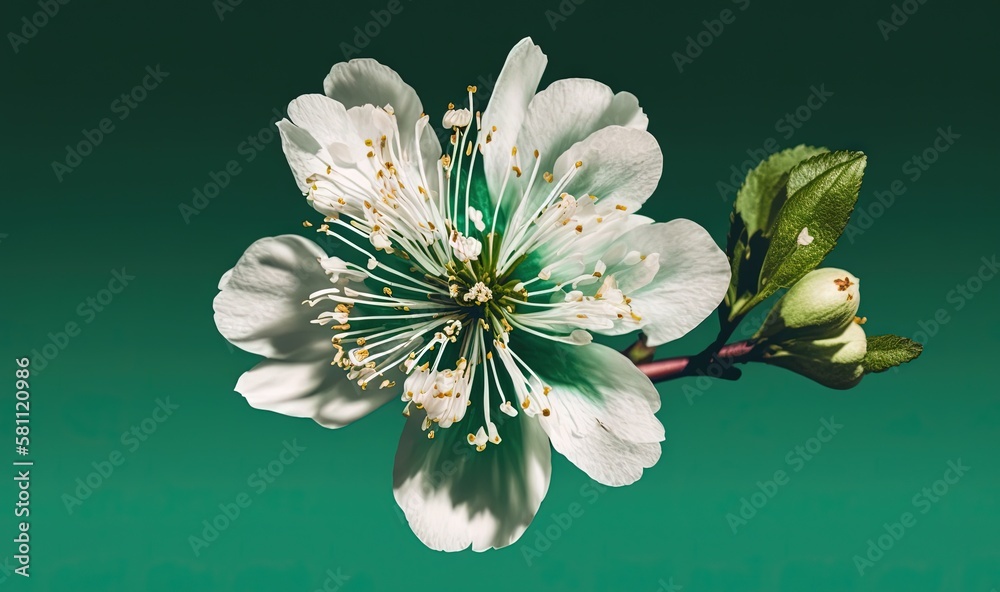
x,y
470,284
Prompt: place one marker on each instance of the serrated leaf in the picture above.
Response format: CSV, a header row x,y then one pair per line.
x,y
761,196
887,351
757,204
822,192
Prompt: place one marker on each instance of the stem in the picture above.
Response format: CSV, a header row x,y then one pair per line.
x,y
719,364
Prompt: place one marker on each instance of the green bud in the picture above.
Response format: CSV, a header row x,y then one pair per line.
x,y
822,304
834,362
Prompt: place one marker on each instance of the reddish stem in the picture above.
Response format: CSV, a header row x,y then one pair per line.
x,y
719,365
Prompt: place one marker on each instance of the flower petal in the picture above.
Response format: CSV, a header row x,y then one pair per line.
x,y
365,81
618,163
259,307
324,118
601,410
567,112
302,151
691,281
571,109
310,387
508,103
454,497
260,310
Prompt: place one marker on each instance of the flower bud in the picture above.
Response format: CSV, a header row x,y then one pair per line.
x,y
821,304
834,362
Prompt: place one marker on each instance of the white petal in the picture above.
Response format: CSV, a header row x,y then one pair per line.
x,y
626,112
325,119
364,81
310,387
455,497
601,411
508,104
620,164
691,281
259,307
302,152
567,112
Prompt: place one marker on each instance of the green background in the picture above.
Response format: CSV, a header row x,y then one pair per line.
x,y
332,509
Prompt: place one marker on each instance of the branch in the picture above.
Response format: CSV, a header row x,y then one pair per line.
x,y
717,365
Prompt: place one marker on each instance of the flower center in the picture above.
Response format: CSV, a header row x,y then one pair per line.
x,y
478,294
435,303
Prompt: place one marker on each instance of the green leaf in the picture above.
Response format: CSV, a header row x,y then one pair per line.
x,y
762,194
887,351
822,192
757,203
